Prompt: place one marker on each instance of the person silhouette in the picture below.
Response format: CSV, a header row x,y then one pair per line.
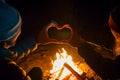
x,y
10,29
107,67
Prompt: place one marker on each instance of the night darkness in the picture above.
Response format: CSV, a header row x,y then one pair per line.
x,y
89,17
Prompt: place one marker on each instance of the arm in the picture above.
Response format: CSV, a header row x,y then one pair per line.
x,y
106,68
9,70
24,47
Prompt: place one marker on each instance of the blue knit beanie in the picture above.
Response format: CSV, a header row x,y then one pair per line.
x,y
10,21
2,0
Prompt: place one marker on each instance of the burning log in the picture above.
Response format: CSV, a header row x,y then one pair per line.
x,y
78,76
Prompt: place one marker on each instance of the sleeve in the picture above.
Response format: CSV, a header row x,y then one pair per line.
x,y
105,68
24,47
9,70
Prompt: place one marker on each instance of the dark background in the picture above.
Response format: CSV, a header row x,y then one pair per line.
x,y
89,17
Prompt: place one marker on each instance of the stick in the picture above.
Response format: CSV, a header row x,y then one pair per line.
x,y
60,72
73,71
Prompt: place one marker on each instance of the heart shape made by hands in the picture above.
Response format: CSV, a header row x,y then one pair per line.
x,y
59,33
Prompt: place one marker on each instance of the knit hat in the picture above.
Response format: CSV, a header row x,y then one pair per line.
x,y
2,0
10,21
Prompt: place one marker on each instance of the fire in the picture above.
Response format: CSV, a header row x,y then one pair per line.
x,y
59,71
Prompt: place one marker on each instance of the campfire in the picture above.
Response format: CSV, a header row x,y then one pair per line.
x,y
58,61
64,67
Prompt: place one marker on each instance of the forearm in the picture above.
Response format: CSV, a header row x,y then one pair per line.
x,y
9,70
106,68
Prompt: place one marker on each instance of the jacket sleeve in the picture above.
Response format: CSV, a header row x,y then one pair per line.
x,y
23,48
105,68
9,70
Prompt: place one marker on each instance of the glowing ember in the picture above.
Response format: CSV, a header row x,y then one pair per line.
x,y
59,71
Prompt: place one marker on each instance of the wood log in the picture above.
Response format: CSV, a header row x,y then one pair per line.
x,y
73,71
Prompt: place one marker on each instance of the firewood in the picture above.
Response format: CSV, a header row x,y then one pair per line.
x,y
72,71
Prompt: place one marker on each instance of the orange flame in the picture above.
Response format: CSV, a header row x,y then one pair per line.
x,y
59,71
